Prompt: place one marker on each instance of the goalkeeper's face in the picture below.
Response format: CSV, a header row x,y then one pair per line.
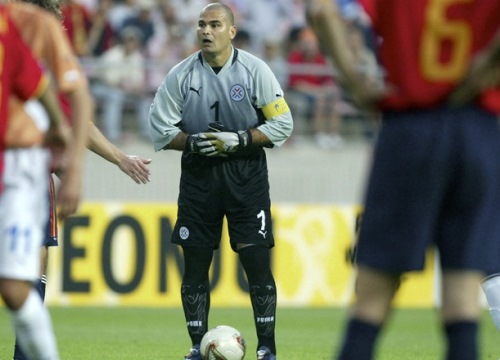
x,y
215,33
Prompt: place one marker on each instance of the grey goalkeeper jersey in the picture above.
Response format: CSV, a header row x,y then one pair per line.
x,y
244,94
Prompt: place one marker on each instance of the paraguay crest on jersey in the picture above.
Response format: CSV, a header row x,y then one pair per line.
x,y
237,92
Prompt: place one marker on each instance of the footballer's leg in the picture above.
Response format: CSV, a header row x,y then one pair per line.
x,y
255,260
39,286
23,213
491,289
195,294
30,319
374,292
49,241
461,312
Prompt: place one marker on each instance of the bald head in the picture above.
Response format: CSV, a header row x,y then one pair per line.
x,y
215,32
219,6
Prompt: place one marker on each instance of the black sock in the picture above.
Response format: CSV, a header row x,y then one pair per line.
x,y
256,262
40,288
196,304
18,353
462,340
359,341
195,291
264,308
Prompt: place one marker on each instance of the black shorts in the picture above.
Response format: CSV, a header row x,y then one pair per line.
x,y
435,181
211,188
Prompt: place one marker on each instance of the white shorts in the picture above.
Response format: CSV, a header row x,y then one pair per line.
x,y
23,212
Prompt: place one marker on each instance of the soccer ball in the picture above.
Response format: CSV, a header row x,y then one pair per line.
x,y
223,343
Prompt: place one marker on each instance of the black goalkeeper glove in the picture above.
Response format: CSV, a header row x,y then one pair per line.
x,y
192,144
197,144
221,141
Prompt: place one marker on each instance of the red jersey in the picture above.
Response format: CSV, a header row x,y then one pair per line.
x,y
427,46
20,73
50,44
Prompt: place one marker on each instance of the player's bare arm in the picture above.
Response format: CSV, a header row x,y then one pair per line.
x,y
178,143
326,21
259,138
69,192
82,106
134,166
55,138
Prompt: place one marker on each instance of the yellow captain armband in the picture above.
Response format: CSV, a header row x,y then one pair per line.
x,y
275,108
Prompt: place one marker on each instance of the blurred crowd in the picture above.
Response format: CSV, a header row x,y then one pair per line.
x,y
128,46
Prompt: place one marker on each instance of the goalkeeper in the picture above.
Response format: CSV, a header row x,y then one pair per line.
x,y
221,106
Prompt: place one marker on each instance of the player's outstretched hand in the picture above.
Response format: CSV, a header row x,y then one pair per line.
x,y
136,167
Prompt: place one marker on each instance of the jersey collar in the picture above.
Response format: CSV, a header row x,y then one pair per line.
x,y
232,59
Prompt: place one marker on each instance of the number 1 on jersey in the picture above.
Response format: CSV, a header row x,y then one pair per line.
x,y
215,106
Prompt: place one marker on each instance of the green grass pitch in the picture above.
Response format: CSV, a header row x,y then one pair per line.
x,y
302,333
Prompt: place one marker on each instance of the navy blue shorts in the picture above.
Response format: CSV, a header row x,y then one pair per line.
x,y
50,239
435,180
236,188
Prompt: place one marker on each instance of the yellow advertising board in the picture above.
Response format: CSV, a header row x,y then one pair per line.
x,y
120,254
